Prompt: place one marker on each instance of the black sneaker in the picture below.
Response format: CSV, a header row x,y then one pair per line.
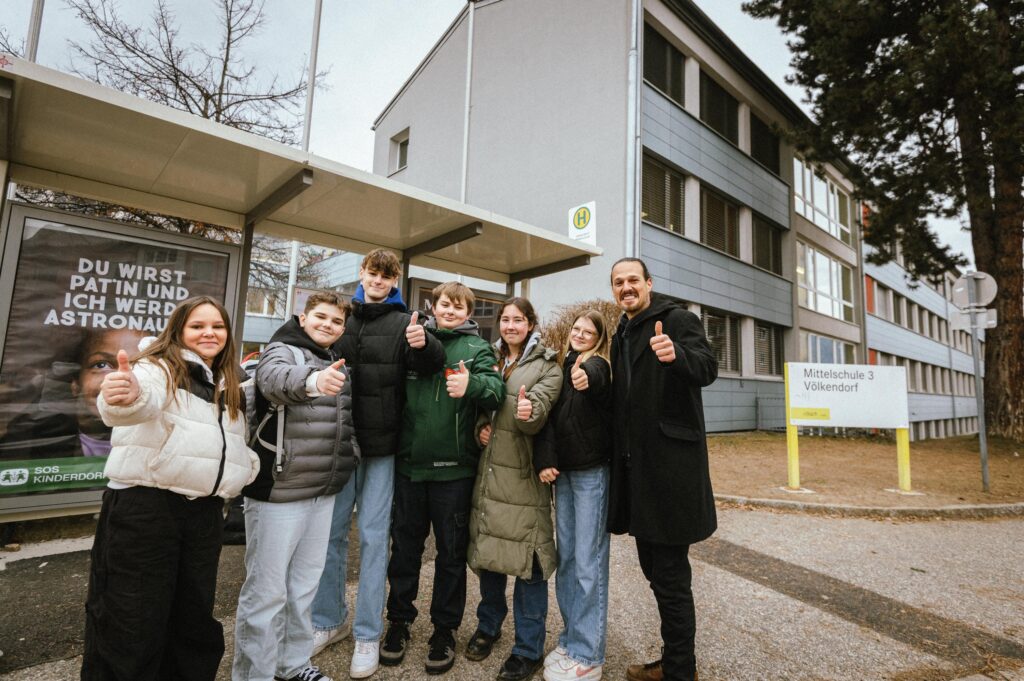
x,y
480,645
519,668
396,640
441,651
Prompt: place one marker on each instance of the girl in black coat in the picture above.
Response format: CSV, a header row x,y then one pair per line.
x,y
573,452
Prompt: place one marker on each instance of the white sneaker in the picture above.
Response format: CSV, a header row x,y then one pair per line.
x,y
365,659
325,637
555,656
568,669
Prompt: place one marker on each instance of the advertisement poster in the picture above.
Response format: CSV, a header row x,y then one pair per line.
x,y
79,296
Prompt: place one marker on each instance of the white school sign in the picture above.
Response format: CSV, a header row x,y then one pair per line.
x,y
847,395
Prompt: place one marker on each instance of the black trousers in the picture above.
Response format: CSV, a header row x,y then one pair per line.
x,y
667,568
149,612
418,506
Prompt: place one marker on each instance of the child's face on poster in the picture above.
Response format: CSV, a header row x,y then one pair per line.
x,y
99,358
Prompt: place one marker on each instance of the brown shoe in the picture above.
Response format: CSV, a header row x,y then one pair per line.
x,y
645,672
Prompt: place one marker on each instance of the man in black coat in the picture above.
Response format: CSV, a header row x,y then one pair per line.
x,y
660,490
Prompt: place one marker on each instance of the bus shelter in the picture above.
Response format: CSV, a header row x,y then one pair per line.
x,y
68,283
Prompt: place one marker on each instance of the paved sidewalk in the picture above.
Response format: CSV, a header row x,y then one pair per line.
x,y
779,596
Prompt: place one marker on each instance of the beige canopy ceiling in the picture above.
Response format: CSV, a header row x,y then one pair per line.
x,y
62,132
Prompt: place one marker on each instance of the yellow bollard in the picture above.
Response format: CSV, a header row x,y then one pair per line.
x,y
792,441
903,458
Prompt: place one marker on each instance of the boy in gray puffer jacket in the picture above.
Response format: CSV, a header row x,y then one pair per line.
x,y
289,507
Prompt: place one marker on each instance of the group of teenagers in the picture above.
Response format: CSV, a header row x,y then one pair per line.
x,y
360,409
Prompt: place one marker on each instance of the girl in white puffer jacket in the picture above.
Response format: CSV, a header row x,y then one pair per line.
x,y
178,452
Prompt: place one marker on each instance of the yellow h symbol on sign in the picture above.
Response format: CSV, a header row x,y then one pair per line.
x,y
582,217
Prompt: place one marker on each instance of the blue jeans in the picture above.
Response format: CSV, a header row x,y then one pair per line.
x,y
581,583
371,490
529,609
286,544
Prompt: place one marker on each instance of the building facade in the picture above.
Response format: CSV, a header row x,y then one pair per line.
x,y
909,325
652,113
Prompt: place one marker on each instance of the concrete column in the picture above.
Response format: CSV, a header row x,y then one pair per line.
x,y
691,221
695,308
743,127
747,346
691,86
4,165
746,234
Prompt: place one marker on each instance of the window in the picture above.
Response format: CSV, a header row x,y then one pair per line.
x,y
723,332
663,196
264,302
897,309
764,144
822,202
767,245
767,349
825,284
825,350
883,304
719,109
399,155
663,65
719,223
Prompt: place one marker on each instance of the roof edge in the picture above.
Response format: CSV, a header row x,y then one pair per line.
x,y
423,64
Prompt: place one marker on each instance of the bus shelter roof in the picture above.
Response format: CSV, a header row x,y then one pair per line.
x,y
64,133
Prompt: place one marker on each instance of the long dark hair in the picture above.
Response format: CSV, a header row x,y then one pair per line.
x,y
169,344
526,307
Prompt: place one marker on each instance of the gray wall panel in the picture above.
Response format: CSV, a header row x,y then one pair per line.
x,y
693,272
733,403
924,407
894,339
701,152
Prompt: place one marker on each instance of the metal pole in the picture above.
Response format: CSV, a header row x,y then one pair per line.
x,y
467,104
35,23
311,81
293,272
978,390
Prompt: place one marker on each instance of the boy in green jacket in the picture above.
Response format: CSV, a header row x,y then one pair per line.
x,y
434,474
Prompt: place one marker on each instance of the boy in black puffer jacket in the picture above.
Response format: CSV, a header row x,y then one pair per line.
x,y
289,506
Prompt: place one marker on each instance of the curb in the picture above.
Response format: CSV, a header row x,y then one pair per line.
x,y
964,512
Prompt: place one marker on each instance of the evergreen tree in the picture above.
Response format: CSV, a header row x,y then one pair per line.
x,y
926,97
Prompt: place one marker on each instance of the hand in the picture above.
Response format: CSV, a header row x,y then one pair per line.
x,y
548,475
662,345
458,381
120,388
580,381
524,407
485,435
331,380
415,334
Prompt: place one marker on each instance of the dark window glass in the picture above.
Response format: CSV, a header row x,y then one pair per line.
x,y
723,332
663,64
764,144
719,223
663,196
719,109
767,245
767,349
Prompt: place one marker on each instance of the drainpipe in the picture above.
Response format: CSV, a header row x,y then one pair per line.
x,y
633,140
469,90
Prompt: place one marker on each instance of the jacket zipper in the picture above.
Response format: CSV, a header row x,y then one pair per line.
x,y
223,445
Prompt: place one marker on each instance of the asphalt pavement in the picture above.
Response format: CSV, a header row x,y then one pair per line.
x,y
778,596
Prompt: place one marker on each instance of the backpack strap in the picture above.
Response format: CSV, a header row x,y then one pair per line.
x,y
278,446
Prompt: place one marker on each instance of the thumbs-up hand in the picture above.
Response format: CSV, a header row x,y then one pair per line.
x,y
120,388
458,381
580,381
331,380
524,407
662,345
415,334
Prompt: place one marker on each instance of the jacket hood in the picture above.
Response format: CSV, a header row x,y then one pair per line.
x,y
394,298
291,333
467,328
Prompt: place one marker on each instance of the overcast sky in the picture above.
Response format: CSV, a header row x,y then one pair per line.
x,y
370,48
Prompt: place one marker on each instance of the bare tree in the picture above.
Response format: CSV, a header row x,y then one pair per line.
x,y
156,63
8,45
